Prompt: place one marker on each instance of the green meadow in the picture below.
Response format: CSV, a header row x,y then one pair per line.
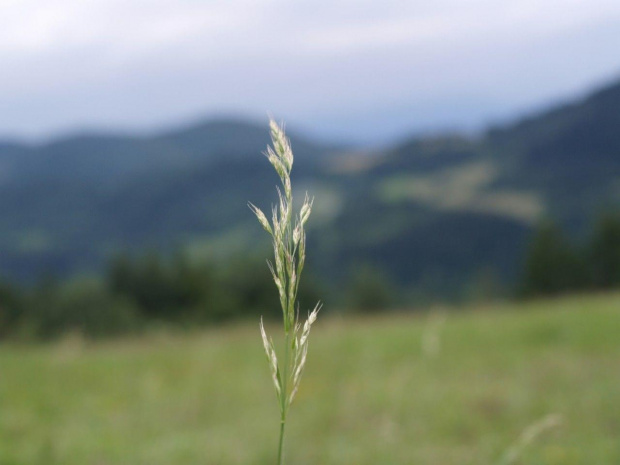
x,y
373,393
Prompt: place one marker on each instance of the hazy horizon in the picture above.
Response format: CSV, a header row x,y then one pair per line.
x,y
355,135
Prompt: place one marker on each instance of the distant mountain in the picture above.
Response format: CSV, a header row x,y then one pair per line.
x,y
579,135
448,211
109,158
440,214
570,155
67,205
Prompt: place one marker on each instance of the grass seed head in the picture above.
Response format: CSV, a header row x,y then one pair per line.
x,y
289,249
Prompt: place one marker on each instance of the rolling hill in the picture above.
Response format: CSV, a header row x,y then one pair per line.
x,y
439,213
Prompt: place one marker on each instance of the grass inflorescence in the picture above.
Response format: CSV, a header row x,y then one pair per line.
x,y
289,247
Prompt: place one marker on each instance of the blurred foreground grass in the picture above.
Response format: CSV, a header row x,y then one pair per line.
x,y
370,394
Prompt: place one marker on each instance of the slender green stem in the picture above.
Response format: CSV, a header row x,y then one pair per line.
x,y
281,442
283,399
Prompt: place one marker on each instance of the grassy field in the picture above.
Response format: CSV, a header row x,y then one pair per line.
x,y
371,395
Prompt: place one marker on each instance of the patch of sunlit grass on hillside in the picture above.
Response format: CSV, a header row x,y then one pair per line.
x,y
466,187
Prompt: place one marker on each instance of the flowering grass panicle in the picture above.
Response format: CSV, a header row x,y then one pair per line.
x,y
289,249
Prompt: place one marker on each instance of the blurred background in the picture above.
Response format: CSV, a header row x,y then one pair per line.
x,y
460,154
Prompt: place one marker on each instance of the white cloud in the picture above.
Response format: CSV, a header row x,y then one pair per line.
x,y
66,62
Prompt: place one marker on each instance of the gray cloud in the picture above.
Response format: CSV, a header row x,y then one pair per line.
x,y
338,67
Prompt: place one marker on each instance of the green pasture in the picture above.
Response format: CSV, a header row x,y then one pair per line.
x,y
373,393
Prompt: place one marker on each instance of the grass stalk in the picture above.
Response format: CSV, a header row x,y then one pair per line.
x,y
289,247
281,441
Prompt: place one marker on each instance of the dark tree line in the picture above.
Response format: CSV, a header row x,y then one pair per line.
x,y
141,291
137,292
555,264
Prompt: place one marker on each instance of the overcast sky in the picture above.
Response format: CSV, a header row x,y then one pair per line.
x,y
358,69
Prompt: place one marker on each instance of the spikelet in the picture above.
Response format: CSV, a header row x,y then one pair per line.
x,y
306,209
281,144
262,219
297,234
273,359
301,351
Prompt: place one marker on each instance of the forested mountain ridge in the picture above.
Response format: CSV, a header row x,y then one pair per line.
x,y
432,213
